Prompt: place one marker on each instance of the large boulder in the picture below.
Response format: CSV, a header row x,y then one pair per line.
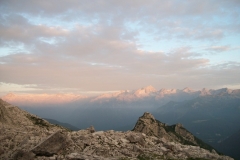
x,y
52,145
23,155
136,138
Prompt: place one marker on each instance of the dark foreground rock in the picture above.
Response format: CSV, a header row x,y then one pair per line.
x,y
54,144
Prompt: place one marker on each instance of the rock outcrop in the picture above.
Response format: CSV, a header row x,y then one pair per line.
x,y
37,139
148,125
21,131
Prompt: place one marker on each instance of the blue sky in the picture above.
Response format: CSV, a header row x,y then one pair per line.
x,y
99,46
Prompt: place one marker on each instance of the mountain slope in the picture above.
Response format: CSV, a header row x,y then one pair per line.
x,y
66,125
231,145
212,118
35,138
21,130
150,126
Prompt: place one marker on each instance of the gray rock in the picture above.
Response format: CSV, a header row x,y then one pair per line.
x,y
91,129
23,155
136,138
52,145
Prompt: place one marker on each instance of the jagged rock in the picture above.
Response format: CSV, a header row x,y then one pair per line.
x,y
150,126
52,145
180,130
91,129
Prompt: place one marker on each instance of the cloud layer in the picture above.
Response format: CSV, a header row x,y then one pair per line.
x,y
110,45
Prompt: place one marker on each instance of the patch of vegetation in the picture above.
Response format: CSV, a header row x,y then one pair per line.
x,y
197,159
37,121
57,125
204,145
148,157
154,157
124,158
200,143
182,140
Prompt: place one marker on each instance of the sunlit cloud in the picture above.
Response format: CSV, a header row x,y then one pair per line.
x,y
98,46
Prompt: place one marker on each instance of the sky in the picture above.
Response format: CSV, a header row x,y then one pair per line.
x,y
97,46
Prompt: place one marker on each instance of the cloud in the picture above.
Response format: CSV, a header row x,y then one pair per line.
x,y
115,70
98,45
218,48
21,31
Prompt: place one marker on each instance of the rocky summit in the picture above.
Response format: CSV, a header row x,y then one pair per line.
x,y
177,133
24,136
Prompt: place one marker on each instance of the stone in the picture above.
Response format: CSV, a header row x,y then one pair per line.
x,y
23,155
124,140
1,151
52,145
98,133
136,149
136,138
91,129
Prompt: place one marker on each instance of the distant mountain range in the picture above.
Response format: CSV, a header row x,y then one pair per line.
x,y
147,93
34,99
212,115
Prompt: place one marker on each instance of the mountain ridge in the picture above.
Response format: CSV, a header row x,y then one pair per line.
x,y
148,92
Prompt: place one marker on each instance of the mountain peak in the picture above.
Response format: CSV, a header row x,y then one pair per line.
x,y
148,125
205,92
10,95
21,99
188,90
145,91
148,115
149,89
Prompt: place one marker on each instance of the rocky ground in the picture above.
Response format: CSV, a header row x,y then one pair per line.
x,y
27,137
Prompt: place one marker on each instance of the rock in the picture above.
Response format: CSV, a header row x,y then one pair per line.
x,y
52,145
148,125
123,140
1,151
23,155
91,129
98,133
136,138
213,151
180,130
137,149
